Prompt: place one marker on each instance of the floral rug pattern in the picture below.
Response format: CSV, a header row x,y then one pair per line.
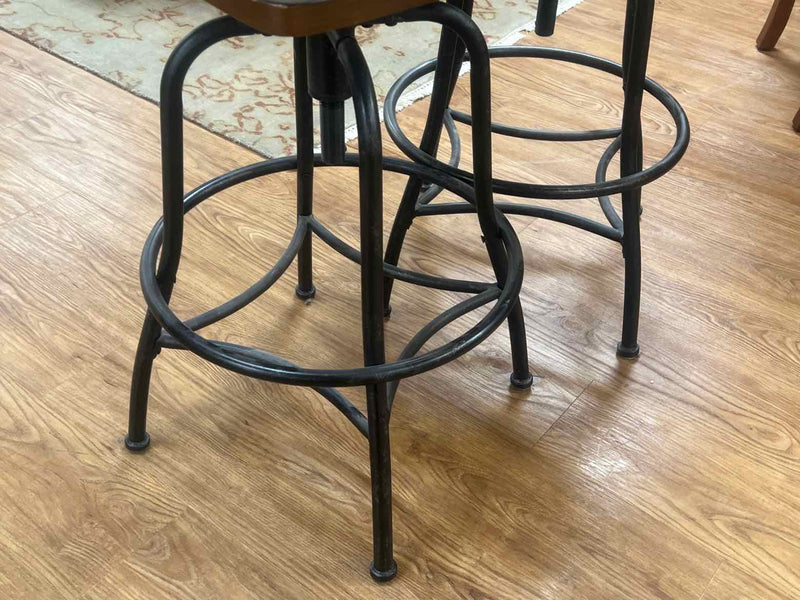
x,y
240,88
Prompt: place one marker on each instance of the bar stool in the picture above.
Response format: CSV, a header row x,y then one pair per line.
x,y
329,66
625,140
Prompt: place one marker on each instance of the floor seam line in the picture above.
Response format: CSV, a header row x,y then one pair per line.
x,y
554,423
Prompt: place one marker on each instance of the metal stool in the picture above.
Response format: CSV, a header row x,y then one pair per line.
x,y
329,66
626,140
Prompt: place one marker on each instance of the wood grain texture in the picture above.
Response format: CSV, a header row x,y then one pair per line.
x,y
673,477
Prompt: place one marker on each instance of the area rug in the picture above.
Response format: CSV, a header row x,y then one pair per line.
x,y
241,88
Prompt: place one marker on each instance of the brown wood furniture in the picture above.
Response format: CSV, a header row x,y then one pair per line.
x,y
308,17
771,33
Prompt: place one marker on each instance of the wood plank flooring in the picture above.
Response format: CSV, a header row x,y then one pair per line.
x,y
677,476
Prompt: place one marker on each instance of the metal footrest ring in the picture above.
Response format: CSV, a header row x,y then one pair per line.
x,y
262,365
599,189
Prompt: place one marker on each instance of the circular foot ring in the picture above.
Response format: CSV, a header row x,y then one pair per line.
x,y
262,365
137,446
383,576
531,190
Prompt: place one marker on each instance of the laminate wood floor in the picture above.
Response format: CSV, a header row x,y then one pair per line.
x,y
677,476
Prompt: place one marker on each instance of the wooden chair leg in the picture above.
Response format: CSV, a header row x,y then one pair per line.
x,y
796,122
776,22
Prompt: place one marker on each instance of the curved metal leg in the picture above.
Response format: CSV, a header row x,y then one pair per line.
x,y
638,25
460,31
304,120
480,81
449,59
172,195
383,566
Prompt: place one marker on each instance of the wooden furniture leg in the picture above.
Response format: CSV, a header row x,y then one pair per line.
x,y
776,22
771,33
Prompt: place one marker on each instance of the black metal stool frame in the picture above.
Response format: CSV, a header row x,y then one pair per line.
x,y
163,329
627,140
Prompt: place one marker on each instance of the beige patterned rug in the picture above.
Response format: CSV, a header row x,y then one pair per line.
x,y
241,88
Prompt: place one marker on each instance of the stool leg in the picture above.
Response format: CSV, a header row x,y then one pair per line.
x,y
451,53
304,119
449,59
383,566
172,197
137,437
638,25
480,82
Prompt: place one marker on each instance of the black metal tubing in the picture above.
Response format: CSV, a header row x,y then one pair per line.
x,y
627,141
461,25
370,170
288,163
162,249
450,57
613,231
328,84
527,210
600,176
638,26
170,227
260,366
306,225
432,191
548,192
172,78
334,396
299,239
304,127
439,323
541,134
413,277
546,13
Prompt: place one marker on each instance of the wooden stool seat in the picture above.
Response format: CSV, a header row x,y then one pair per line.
x,y
300,18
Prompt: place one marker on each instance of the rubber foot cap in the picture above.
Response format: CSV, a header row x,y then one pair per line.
x,y
137,446
521,383
305,294
629,353
387,311
383,576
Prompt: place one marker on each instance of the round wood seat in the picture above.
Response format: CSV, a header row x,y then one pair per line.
x,y
300,18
